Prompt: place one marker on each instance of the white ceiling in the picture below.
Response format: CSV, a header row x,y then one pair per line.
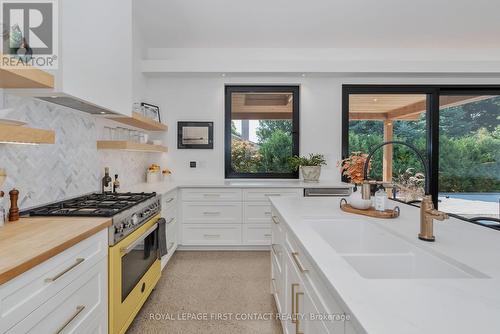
x,y
319,23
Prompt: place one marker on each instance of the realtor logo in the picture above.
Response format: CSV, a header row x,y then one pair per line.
x,y
30,32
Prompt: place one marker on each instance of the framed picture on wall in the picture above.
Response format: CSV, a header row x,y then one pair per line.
x,y
195,135
151,111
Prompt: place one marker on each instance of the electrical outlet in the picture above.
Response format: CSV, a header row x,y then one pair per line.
x,y
192,164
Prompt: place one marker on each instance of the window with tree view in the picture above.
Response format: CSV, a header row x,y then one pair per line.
x,y
261,131
464,128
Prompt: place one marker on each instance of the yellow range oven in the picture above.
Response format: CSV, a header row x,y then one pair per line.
x,y
134,270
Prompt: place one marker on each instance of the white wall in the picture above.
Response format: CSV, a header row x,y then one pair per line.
x,y
201,98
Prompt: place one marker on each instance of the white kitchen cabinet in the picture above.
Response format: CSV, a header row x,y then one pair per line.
x,y
303,290
211,234
257,234
212,212
169,211
211,194
257,212
74,309
95,60
247,208
46,296
263,194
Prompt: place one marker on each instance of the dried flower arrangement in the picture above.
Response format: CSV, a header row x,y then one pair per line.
x,y
353,166
411,184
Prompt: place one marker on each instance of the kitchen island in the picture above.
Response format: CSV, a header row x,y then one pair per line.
x,y
379,275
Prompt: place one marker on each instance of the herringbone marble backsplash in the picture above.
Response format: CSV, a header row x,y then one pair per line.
x,y
71,167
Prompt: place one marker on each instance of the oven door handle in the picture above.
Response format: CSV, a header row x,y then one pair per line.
x,y
128,249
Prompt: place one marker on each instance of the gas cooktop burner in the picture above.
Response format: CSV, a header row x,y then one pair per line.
x,y
93,205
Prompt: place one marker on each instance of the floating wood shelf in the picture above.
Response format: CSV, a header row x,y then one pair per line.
x,y
24,77
129,146
139,121
24,135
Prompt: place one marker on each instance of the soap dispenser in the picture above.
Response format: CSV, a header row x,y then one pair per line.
x,y
380,200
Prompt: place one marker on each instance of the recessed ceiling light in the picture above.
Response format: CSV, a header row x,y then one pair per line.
x,y
375,100
54,97
223,74
303,75
103,112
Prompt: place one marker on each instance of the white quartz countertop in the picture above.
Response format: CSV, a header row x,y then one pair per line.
x,y
165,187
395,305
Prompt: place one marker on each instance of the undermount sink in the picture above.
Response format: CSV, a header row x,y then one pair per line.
x,y
378,254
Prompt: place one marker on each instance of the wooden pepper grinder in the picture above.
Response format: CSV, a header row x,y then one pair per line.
x,y
14,210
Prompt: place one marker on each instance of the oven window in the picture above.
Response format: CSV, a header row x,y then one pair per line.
x,y
138,261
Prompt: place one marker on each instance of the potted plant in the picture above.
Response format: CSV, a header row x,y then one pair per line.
x,y
352,167
310,166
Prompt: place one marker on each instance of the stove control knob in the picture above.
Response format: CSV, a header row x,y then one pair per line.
x,y
134,220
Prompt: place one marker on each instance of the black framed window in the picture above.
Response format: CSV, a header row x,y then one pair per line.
x,y
457,129
261,131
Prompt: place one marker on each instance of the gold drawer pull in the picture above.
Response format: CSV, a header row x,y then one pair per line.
x,y
295,256
294,318
273,281
79,310
267,235
275,219
272,194
211,195
170,220
211,235
169,200
267,213
297,320
274,250
211,213
77,262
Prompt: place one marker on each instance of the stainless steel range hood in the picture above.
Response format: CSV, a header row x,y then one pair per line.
x,y
76,103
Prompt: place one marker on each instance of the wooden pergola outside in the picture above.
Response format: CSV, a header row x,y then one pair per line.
x,y
389,108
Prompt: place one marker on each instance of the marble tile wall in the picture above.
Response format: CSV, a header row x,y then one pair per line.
x,y
71,167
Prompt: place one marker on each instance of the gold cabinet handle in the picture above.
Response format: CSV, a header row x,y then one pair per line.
x,y
170,220
295,256
297,320
77,262
211,213
294,285
274,285
169,200
274,250
267,235
79,310
211,195
272,194
275,220
267,213
211,235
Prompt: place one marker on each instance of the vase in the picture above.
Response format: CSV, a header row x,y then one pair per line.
x,y
311,173
356,200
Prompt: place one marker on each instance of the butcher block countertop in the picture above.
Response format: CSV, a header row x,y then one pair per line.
x,y
33,240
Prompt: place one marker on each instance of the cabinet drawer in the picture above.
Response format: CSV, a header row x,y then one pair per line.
x,y
211,194
257,213
256,234
211,234
212,212
169,200
277,282
23,294
263,194
75,309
